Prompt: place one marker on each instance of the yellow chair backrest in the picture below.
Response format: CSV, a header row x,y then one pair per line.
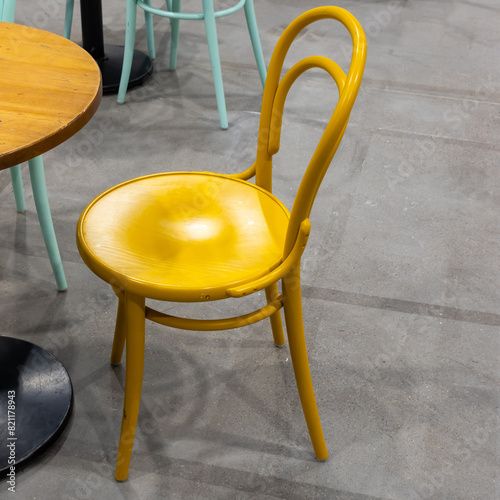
x,y
275,92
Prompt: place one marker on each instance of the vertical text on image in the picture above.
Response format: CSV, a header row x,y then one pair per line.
x,y
11,441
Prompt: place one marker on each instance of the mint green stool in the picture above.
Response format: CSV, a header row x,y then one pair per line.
x,y
209,16
37,176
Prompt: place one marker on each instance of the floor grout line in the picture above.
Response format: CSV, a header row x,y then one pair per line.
x,y
404,306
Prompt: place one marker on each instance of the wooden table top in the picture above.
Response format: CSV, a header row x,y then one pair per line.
x,y
49,89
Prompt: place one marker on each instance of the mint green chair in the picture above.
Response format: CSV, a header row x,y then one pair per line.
x,y
174,13
37,176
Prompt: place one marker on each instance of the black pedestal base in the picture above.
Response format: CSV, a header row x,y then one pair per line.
x,y
36,398
111,68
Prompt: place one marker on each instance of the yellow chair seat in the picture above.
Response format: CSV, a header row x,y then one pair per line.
x,y
183,236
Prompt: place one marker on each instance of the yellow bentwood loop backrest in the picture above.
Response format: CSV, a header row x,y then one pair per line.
x,y
275,93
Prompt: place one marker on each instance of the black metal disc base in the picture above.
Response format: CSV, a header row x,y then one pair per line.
x,y
36,399
111,68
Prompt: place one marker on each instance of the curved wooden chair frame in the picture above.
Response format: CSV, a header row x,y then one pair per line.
x,y
106,260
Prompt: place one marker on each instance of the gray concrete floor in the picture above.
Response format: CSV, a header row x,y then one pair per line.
x,y
400,275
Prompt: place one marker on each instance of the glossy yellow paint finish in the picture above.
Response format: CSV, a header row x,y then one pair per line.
x,y
200,236
183,236
275,92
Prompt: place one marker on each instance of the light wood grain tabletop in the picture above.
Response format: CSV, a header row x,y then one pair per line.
x,y
49,89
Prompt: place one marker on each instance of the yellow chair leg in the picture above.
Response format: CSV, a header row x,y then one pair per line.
x,y
276,324
292,304
120,332
135,330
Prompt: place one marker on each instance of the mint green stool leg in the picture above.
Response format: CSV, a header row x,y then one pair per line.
x,y
129,49
254,37
7,13
148,17
68,18
17,185
213,49
175,6
43,210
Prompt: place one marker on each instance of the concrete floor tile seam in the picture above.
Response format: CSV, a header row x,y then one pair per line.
x,y
215,475
418,89
468,97
406,134
403,306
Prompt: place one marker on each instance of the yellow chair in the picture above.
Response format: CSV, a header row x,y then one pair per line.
x,y
200,236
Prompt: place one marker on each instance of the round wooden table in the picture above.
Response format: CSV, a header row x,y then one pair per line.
x,y
49,89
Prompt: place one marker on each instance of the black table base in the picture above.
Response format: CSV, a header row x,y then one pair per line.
x,y
36,399
111,68
109,57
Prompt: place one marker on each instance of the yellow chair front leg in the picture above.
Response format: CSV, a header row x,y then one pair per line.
x,y
292,305
135,331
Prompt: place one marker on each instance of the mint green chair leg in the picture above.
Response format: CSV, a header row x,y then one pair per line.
x,y
148,17
37,175
129,49
17,185
68,18
43,210
7,10
213,49
254,37
175,6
